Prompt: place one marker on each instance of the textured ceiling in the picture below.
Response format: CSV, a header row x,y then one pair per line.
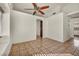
x,y
5,7
53,7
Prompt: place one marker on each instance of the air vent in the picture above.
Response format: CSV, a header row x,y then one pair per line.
x,y
54,13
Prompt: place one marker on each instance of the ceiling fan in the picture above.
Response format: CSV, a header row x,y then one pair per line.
x,y
38,9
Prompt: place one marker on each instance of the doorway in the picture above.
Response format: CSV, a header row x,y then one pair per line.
x,y
39,29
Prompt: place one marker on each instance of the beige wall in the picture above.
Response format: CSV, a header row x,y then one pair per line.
x,y
23,27
38,27
0,21
55,27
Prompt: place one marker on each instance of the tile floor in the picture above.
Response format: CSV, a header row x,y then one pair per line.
x,y
46,46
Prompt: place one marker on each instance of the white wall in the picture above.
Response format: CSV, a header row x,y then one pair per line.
x,y
0,21
6,24
45,27
66,28
55,27
5,21
23,27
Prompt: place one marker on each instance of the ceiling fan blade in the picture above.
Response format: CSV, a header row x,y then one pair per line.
x,y
44,7
41,12
35,5
34,12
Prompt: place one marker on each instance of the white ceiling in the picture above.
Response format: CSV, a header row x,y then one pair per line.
x,y
5,7
53,7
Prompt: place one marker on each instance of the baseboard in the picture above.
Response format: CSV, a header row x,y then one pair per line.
x,y
54,39
59,40
23,41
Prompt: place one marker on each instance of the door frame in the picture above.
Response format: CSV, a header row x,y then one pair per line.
x,y
41,29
